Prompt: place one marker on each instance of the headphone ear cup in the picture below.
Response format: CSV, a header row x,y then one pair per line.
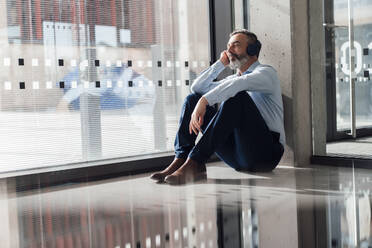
x,y
253,49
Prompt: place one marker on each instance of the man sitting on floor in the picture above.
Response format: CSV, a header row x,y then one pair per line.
x,y
246,131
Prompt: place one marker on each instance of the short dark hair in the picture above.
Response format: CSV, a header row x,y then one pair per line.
x,y
251,36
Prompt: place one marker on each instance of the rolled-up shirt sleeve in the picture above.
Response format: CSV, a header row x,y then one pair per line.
x,y
261,80
204,82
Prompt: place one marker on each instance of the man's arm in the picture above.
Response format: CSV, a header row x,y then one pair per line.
x,y
260,80
204,82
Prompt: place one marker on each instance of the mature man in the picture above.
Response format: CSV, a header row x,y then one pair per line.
x,y
246,131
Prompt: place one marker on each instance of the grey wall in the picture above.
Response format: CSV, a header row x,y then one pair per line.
x,y
270,20
282,27
302,139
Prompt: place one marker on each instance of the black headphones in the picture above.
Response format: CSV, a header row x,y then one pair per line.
x,y
254,49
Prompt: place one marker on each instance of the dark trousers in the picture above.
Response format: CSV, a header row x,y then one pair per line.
x,y
235,131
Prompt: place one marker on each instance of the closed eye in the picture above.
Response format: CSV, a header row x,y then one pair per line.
x,y
235,44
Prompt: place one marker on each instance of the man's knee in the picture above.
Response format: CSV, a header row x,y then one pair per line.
x,y
237,99
242,93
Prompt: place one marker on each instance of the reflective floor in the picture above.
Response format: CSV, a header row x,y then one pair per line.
x,y
359,147
290,207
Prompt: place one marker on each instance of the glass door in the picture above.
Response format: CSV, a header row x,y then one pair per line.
x,y
348,35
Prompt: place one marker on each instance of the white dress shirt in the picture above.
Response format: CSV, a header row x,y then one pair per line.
x,y
260,81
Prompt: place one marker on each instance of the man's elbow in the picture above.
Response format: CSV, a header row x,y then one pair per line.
x,y
193,88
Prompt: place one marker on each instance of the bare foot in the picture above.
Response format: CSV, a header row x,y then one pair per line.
x,y
177,163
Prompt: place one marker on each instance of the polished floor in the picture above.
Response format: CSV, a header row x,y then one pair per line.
x,y
360,147
316,206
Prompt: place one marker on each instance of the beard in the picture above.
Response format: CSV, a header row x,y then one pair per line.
x,y
236,61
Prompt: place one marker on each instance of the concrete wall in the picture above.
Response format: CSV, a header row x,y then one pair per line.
x,y
302,138
270,20
282,27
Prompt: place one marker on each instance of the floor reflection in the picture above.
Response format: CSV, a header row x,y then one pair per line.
x,y
302,207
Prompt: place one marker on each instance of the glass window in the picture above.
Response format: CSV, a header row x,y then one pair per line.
x,y
91,80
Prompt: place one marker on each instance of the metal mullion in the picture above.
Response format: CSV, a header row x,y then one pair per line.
x,y
330,82
351,69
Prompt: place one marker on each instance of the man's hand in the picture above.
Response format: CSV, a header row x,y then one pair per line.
x,y
197,116
224,58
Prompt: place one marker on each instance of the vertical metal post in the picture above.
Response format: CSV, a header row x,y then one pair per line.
x,y
352,75
246,13
223,20
89,103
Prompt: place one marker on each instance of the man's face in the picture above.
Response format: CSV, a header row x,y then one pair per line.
x,y
237,50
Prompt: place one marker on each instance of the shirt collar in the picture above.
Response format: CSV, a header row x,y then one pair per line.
x,y
251,68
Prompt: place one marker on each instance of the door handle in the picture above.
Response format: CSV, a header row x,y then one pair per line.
x,y
332,25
